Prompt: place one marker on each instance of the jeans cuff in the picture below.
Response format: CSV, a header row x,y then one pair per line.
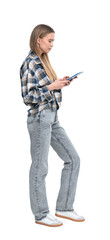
x,y
37,219
69,210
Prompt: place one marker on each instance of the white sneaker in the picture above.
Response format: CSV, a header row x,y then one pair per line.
x,y
71,215
50,221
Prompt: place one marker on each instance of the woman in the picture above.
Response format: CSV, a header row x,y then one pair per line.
x,y
41,90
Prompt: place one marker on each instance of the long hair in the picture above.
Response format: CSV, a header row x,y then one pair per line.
x,y
41,31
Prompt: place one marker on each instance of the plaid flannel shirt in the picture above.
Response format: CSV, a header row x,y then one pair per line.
x,y
34,86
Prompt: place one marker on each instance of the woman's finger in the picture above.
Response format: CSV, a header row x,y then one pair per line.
x,y
65,77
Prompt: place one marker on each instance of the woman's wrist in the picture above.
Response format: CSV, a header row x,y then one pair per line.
x,y
51,86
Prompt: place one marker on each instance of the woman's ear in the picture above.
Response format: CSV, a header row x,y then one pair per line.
x,y
38,40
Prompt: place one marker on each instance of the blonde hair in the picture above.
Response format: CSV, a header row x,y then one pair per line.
x,y
41,31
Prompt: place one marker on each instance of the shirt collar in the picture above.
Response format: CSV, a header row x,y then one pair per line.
x,y
33,55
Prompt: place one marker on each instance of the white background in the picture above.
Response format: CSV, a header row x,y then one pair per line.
x,y
82,43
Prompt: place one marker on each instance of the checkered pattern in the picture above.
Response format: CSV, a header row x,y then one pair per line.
x,y
34,85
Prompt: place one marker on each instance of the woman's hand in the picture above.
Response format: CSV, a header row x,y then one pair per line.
x,y
68,83
57,84
60,83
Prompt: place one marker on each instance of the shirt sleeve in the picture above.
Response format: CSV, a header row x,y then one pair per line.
x,y
34,83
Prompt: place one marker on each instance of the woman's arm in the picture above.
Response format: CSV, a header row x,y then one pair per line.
x,y
51,86
33,83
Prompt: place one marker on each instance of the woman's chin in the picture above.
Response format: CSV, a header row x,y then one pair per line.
x,y
48,50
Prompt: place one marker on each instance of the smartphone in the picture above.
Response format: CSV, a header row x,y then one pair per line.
x,y
74,76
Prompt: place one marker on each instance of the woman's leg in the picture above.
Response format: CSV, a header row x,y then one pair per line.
x,y
40,136
61,143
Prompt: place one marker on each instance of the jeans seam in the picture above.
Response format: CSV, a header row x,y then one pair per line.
x,y
71,169
38,162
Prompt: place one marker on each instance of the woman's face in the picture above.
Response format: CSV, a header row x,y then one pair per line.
x,y
46,43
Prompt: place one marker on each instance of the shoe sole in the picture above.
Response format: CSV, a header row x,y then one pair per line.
x,y
76,220
57,225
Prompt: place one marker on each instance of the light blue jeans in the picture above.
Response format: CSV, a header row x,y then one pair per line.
x,y
44,130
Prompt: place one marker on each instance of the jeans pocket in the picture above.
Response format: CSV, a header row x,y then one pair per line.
x,y
43,113
30,119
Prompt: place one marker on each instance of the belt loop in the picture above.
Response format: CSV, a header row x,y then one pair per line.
x,y
43,112
55,115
